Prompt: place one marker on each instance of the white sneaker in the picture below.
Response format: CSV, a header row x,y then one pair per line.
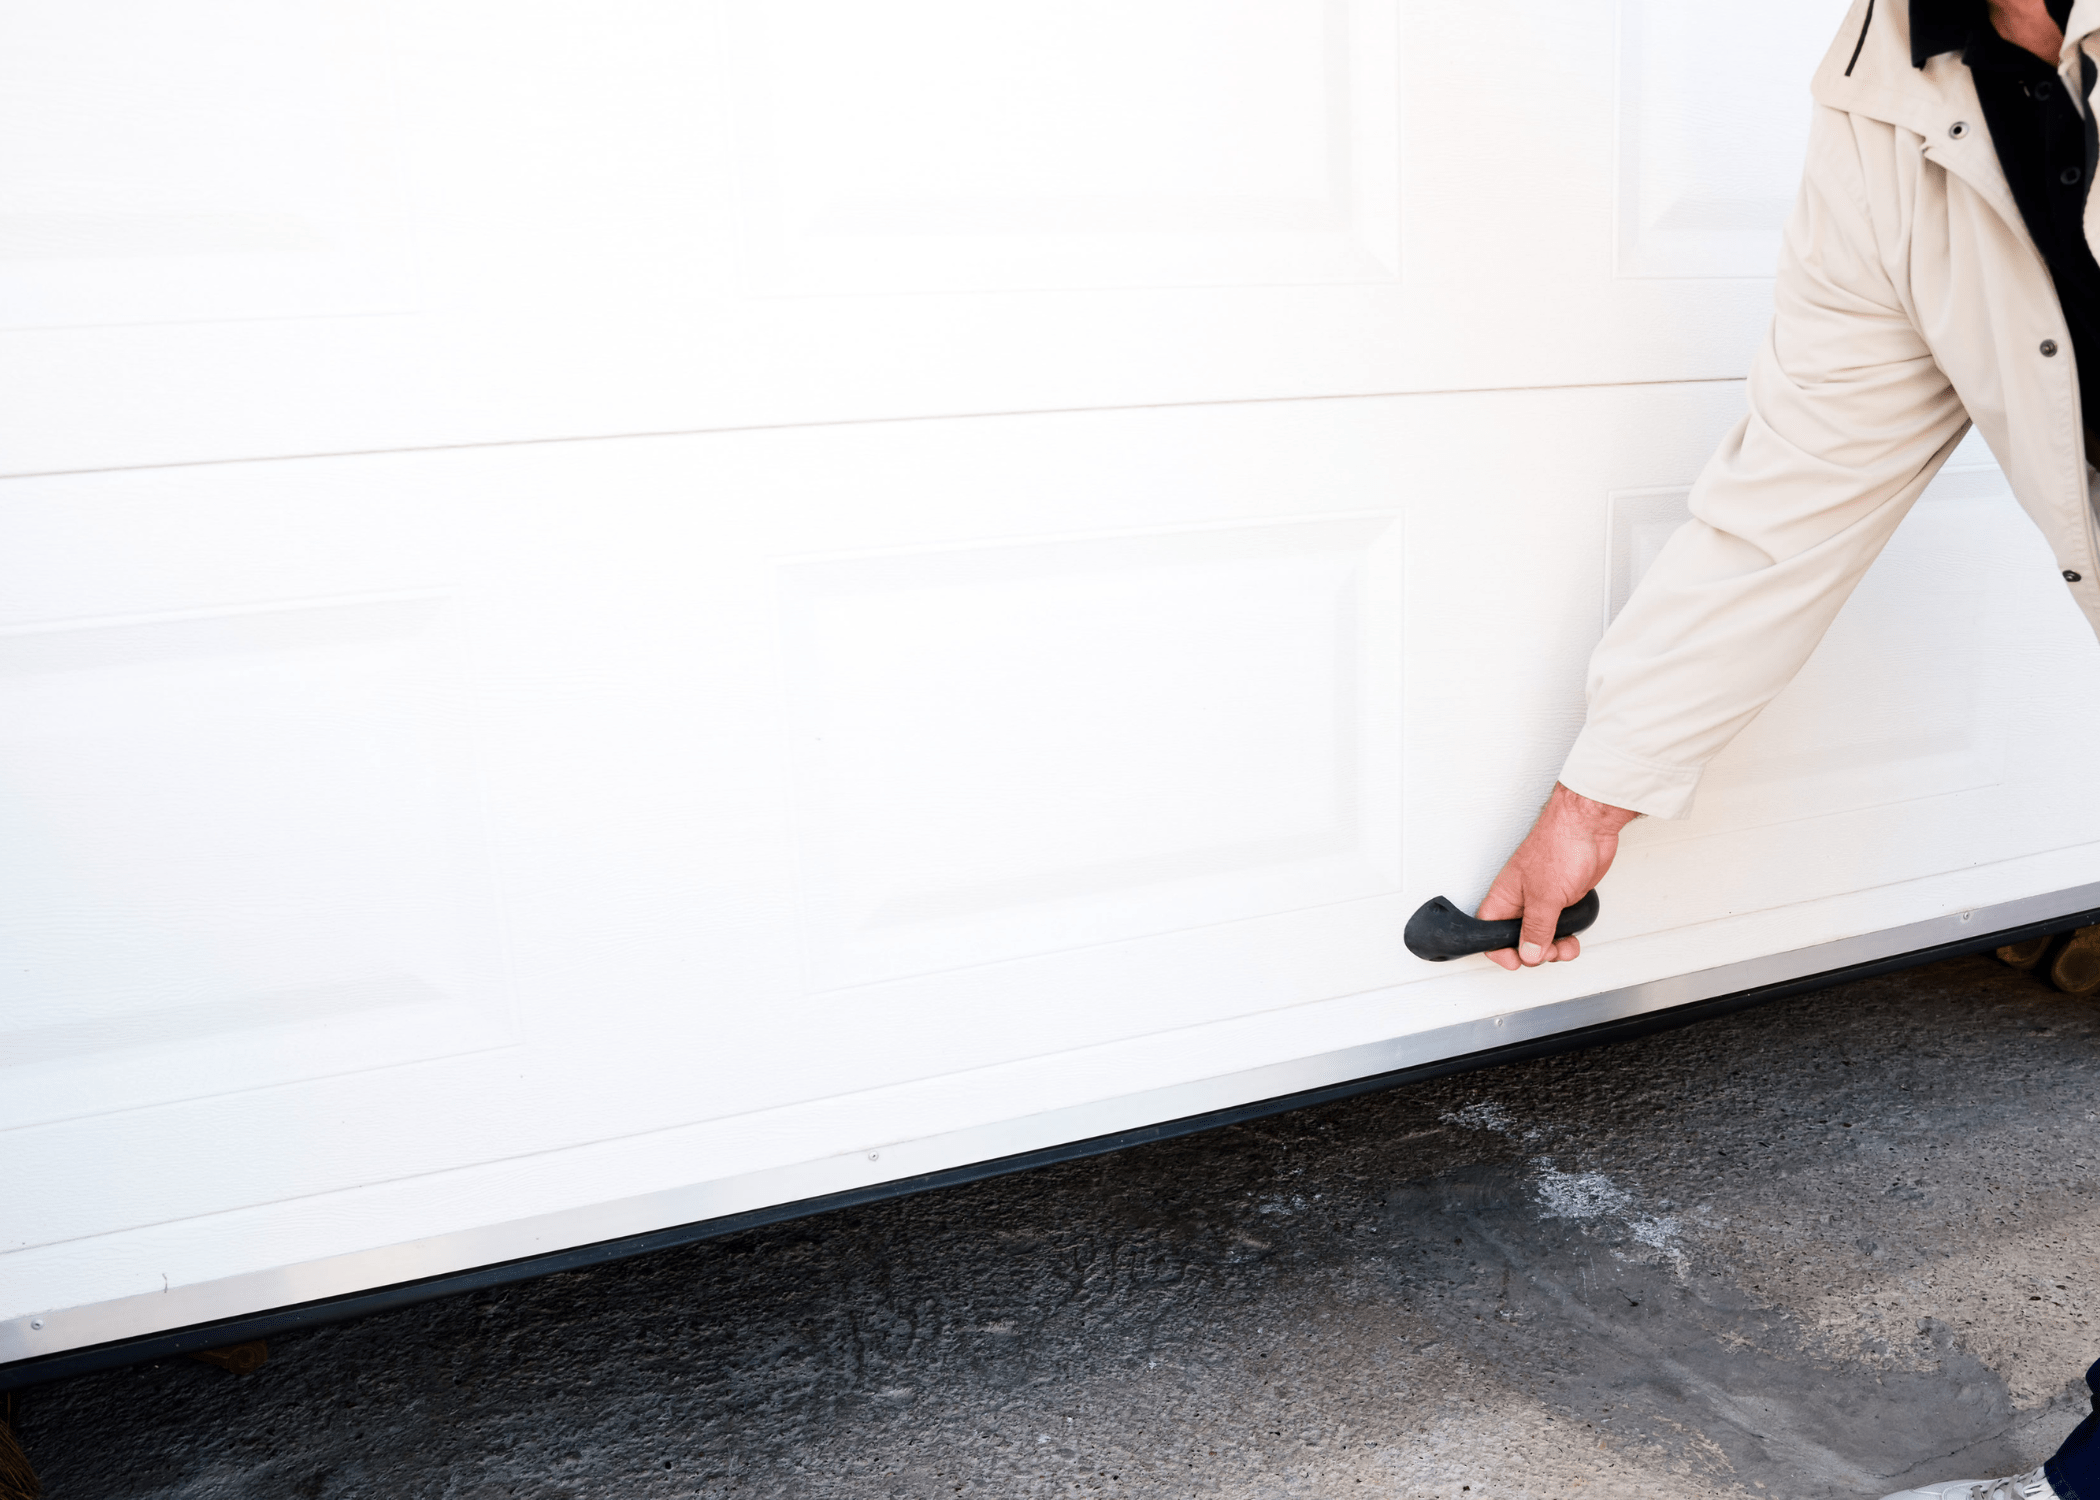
x,y
2033,1485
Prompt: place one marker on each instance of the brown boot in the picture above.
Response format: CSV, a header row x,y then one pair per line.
x,y
17,1480
2074,967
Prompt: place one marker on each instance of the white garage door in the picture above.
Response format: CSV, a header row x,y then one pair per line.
x,y
614,614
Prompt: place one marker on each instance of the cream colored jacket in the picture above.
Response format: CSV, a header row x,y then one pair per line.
x,y
1910,303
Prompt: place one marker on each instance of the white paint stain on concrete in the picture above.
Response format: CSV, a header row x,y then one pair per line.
x,y
1594,1196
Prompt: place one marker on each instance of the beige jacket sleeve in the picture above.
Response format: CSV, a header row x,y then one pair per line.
x,y
1849,418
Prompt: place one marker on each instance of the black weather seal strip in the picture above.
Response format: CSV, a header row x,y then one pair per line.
x,y
72,1362
1860,45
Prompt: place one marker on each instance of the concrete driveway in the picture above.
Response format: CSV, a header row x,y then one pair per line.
x,y
1840,1243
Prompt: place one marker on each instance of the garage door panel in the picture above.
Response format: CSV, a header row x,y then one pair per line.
x,y
824,762
473,225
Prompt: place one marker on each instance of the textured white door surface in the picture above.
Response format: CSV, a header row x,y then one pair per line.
x,y
611,615
362,224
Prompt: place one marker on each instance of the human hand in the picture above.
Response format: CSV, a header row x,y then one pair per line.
x,y
1560,861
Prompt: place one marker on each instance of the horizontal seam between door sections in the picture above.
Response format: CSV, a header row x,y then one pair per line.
x,y
960,416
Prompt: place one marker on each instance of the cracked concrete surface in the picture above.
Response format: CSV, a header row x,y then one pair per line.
x,y
1821,1249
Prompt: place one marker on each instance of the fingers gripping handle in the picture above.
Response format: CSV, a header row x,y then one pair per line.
x,y
1440,931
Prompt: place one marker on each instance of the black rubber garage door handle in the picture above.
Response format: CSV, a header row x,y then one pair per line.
x,y
1440,931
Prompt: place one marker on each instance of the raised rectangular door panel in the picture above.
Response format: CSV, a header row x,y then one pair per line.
x,y
1891,707
218,163
1005,748
1710,155
1022,147
243,852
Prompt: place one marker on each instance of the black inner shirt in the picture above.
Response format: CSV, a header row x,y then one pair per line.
x,y
2042,145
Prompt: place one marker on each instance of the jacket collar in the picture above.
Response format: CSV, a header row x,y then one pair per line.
x,y
1874,68
1870,69
2081,40
1893,58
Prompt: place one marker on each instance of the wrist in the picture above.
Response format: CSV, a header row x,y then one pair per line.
x,y
1600,816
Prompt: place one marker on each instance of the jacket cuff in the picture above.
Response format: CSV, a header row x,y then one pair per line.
x,y
1603,773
